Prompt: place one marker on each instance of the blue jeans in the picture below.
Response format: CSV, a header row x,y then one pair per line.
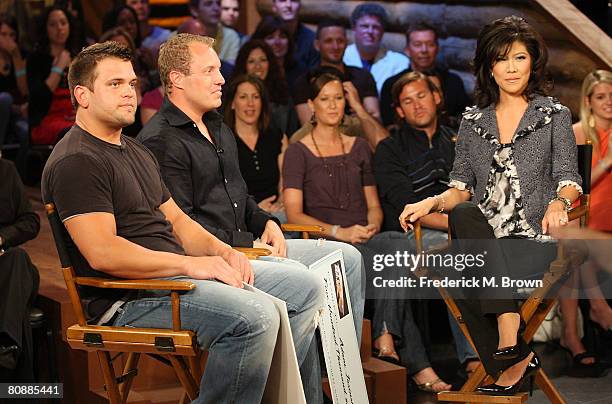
x,y
239,328
430,238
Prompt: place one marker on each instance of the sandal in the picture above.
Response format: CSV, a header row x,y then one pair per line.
x,y
428,387
387,355
580,369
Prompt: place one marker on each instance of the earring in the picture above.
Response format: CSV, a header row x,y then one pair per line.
x,y
491,74
313,120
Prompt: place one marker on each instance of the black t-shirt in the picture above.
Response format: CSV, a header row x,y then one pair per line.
x,y
361,79
85,174
259,167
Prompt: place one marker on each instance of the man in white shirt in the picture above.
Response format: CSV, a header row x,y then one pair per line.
x,y
368,22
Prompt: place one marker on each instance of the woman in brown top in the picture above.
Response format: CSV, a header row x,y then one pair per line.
x,y
328,181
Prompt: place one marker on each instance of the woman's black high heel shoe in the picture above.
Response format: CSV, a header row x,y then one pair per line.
x,y
509,352
530,372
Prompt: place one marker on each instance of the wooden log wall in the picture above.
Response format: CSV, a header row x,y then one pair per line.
x,y
459,23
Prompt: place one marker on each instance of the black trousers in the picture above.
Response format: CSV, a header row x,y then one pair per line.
x,y
505,259
19,279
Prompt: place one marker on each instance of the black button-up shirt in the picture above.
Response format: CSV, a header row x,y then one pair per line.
x,y
204,178
409,168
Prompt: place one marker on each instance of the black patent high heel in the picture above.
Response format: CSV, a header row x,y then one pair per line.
x,y
509,352
530,372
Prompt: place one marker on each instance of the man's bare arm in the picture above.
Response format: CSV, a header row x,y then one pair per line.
x,y
95,235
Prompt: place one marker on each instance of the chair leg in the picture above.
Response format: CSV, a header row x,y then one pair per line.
x,y
109,377
548,388
130,364
182,372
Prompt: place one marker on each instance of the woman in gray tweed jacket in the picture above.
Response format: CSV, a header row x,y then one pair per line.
x,y
514,176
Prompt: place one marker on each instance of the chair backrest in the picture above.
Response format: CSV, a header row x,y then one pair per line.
x,y
585,156
85,300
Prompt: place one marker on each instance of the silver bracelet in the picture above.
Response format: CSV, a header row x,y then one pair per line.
x,y
567,204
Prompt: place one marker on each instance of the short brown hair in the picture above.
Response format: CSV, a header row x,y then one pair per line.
x,y
408,78
82,70
174,54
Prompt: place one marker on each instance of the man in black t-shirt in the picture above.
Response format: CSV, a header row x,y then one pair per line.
x,y
113,202
331,42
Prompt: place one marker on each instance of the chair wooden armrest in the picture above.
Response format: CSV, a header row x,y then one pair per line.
x,y
146,284
253,252
577,212
311,228
305,229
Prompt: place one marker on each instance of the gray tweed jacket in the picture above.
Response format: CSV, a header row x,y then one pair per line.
x,y
545,154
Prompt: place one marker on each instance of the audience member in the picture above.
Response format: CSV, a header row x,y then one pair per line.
x,y
151,103
230,12
595,126
328,181
331,42
256,58
422,47
275,32
302,36
261,146
195,27
413,164
152,36
227,41
369,21
13,86
361,124
109,192
18,277
198,158
49,109
126,18
515,159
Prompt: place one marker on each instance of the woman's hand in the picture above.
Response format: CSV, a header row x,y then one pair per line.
x,y
352,95
414,211
62,60
356,233
271,204
555,216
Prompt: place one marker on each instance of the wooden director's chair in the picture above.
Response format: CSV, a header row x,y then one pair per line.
x,y
175,347
533,311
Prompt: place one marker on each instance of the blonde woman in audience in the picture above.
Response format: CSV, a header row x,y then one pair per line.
x,y
594,126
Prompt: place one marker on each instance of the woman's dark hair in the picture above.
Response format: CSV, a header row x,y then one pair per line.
x,y
269,25
12,23
495,40
74,42
229,115
110,21
118,31
318,80
276,88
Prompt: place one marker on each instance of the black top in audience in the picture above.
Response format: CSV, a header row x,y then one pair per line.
x,y
204,178
259,167
18,222
408,169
